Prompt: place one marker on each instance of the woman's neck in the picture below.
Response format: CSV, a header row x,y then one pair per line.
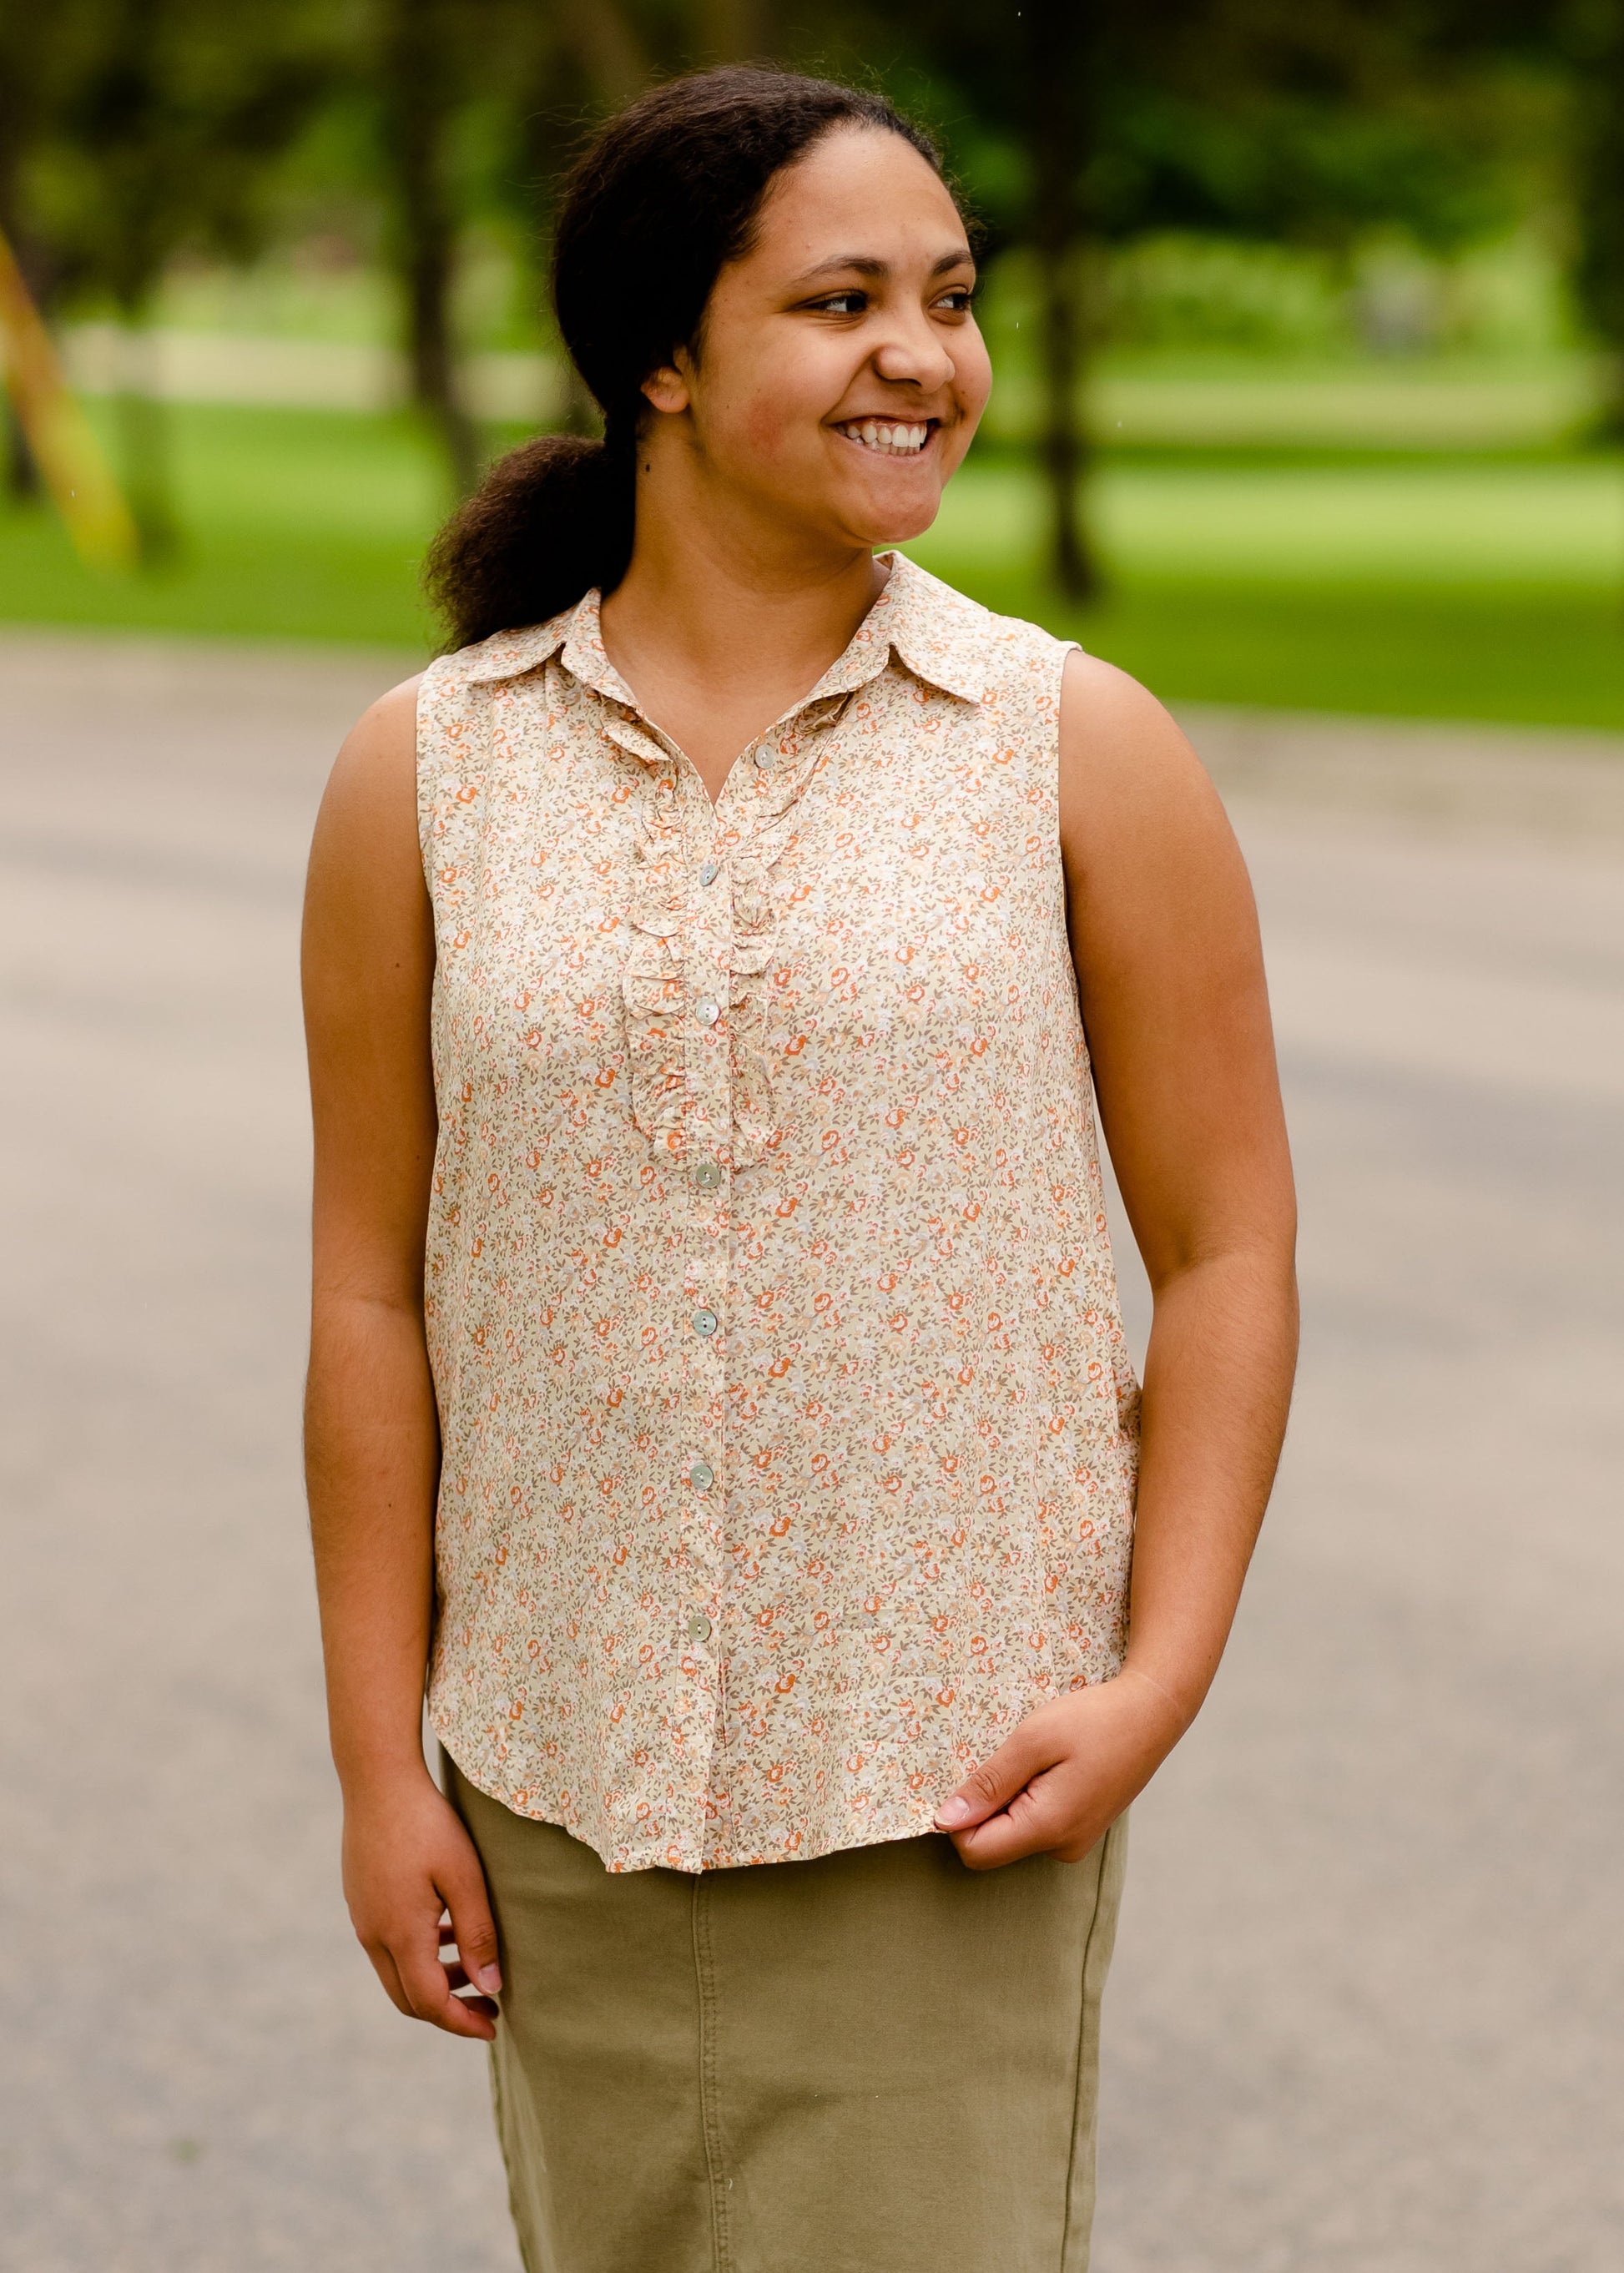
x,y
718,632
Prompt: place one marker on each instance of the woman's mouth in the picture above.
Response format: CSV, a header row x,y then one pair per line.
x,y
891,438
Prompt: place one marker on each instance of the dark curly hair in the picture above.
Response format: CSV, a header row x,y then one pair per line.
x,y
666,195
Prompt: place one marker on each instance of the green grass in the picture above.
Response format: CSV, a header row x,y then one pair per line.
x,y
297,525
1489,590
1512,657
1214,403
1438,524
1475,586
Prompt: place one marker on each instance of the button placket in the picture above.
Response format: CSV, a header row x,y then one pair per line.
x,y
709,1046
754,799
707,1112
722,848
676,811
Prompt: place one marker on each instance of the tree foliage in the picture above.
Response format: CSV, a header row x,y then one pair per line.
x,y
132,129
151,127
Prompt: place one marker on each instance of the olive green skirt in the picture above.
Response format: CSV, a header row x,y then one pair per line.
x,y
875,2062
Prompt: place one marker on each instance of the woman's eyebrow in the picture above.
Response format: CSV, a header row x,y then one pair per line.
x,y
866,264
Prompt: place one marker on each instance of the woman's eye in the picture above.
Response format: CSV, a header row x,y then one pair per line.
x,y
958,302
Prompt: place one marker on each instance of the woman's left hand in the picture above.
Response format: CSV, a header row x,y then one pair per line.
x,y
1057,1785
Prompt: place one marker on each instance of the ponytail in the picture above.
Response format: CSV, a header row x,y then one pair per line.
x,y
662,200
549,520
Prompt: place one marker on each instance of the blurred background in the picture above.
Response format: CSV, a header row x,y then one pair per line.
x,y
1307,316
1308,322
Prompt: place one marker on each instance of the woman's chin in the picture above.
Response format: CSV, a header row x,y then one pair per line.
x,y
894,520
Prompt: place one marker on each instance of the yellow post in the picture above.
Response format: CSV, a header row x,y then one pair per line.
x,y
64,448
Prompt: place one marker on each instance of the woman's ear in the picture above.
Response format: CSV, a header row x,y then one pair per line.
x,y
666,388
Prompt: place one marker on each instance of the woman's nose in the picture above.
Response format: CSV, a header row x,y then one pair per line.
x,y
919,356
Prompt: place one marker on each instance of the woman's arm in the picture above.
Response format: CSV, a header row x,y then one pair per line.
x,y
372,1436
1165,940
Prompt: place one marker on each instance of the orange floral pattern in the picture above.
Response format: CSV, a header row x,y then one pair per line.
x,y
789,1431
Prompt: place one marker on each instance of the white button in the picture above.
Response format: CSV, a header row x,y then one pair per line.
x,y
711,870
707,1013
702,1475
705,1322
763,758
707,1176
698,1626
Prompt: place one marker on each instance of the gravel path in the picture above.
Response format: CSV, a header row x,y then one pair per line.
x,y
1366,2012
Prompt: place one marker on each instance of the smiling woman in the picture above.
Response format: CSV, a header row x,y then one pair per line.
x,y
717,1385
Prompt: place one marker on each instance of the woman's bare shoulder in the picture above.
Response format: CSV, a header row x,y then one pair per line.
x,y
1127,770
382,745
366,831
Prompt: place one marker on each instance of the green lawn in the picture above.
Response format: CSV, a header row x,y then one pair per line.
x,y
299,525
1552,525
1492,590
1217,403
1448,584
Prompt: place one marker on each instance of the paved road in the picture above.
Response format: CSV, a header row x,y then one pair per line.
x,y
1367,2012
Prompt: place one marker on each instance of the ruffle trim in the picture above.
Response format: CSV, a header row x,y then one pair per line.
x,y
655,982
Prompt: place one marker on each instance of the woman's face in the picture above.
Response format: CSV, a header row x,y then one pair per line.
x,y
840,373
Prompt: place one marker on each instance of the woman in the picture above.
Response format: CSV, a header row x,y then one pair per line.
x,y
699,960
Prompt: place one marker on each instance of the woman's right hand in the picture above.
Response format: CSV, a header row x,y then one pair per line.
x,y
408,1861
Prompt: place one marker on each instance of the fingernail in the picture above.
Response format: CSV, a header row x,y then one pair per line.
x,y
954,1812
489,1979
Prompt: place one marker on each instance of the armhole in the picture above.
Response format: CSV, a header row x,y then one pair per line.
x,y
1064,650
1068,648
423,761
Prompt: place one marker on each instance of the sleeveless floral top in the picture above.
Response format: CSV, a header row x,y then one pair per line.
x,y
788,1427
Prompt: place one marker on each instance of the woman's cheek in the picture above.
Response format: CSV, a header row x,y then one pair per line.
x,y
784,407
765,428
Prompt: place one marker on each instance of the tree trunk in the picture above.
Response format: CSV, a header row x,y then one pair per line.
x,y
1601,210
1057,50
23,485
418,50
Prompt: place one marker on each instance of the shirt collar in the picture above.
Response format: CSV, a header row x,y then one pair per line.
x,y
935,632
938,633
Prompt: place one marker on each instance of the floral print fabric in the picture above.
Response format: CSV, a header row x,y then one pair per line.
x,y
788,1429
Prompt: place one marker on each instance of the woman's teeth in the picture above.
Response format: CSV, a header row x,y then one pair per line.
x,y
893,441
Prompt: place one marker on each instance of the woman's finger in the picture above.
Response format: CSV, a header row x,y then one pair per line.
x,y
383,1966
431,1995
996,1783
457,1971
459,1981
1031,1824
473,1929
